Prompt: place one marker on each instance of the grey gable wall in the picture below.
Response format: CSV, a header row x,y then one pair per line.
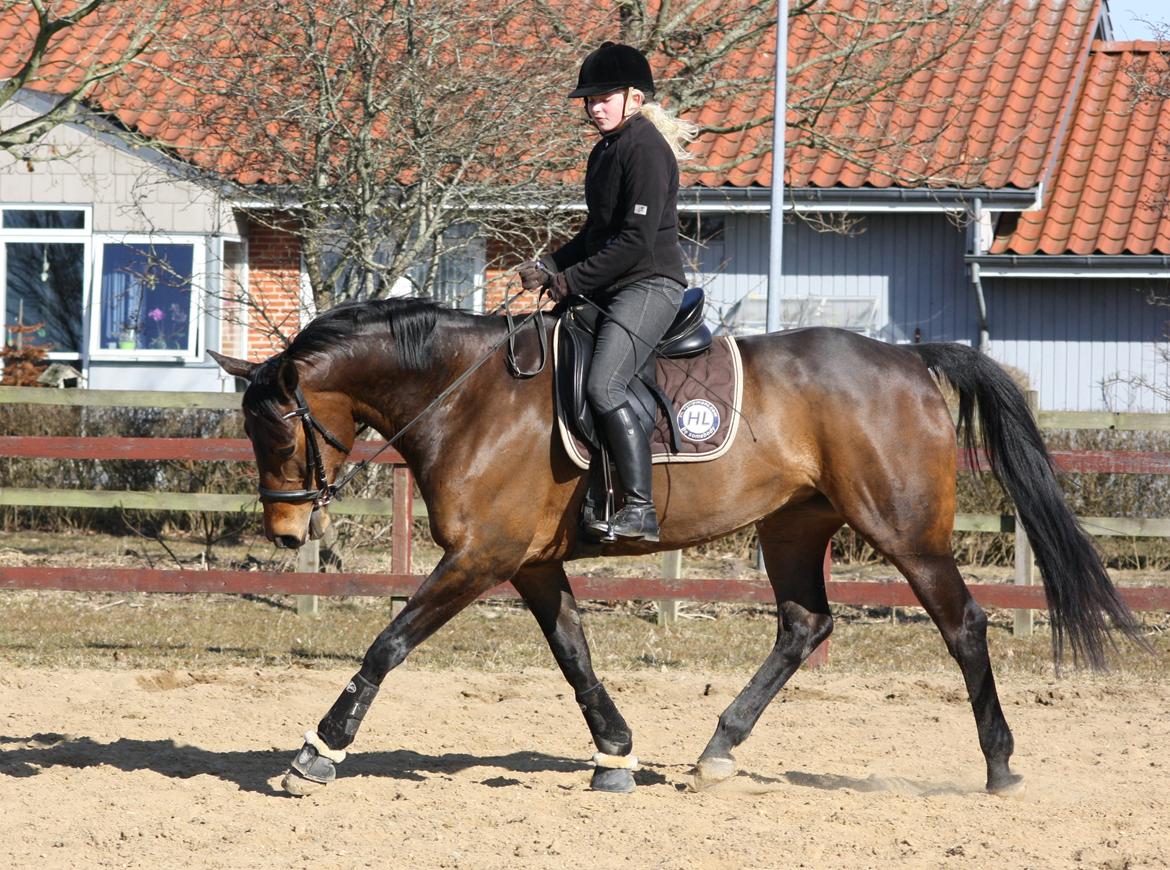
x,y
130,190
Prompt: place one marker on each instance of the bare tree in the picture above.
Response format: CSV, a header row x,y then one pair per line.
x,y
109,35
387,126
381,125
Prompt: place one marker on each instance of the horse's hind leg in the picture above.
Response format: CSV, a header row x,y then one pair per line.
x,y
938,584
793,545
546,591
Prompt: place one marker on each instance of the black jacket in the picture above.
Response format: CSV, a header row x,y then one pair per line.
x,y
631,189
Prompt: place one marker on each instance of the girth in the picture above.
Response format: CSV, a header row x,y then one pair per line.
x,y
687,336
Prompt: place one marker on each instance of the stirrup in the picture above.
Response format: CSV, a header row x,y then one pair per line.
x,y
597,527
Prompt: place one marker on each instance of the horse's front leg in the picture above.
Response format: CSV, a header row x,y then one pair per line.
x,y
455,582
545,589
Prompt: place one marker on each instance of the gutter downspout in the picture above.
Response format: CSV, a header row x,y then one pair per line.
x,y
776,212
975,245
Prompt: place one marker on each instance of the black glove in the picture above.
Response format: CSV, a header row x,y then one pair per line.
x,y
533,275
559,288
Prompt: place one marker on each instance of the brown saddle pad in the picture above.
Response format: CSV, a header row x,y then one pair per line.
x,y
706,392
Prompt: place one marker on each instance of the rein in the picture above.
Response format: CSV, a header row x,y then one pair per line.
x,y
315,465
541,335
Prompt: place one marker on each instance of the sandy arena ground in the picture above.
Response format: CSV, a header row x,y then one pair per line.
x,y
471,769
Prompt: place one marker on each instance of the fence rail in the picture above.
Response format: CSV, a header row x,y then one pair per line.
x,y
876,594
868,593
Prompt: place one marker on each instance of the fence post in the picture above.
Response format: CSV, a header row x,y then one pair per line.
x,y
671,570
1024,573
400,533
308,562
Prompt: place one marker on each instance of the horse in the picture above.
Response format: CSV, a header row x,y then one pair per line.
x,y
836,429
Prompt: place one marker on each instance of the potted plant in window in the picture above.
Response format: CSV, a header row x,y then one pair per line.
x,y
128,338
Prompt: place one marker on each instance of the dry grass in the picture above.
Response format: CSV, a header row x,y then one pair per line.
x,y
66,629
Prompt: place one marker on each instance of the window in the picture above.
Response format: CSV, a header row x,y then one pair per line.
x,y
146,298
44,283
233,298
459,281
855,313
702,237
43,257
80,295
43,219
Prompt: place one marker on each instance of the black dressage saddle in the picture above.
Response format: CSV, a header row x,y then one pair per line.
x,y
687,336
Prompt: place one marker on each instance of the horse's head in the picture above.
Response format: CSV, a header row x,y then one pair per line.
x,y
300,437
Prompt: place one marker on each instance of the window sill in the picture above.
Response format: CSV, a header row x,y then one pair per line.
x,y
141,357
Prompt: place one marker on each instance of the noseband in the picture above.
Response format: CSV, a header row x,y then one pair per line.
x,y
314,464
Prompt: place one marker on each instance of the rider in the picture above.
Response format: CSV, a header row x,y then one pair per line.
x,y
626,258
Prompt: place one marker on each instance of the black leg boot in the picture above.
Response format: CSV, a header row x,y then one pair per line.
x,y
631,454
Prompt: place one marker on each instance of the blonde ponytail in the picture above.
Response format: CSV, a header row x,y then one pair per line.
x,y
677,132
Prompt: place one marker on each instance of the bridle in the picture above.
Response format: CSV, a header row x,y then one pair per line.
x,y
314,464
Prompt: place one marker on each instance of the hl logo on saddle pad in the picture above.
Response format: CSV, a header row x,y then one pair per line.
x,y
698,420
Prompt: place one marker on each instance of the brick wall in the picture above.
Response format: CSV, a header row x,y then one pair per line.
x,y
499,278
274,287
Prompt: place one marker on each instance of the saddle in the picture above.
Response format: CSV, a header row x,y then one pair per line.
x,y
576,333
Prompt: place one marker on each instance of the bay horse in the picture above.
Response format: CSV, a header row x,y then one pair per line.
x,y
835,429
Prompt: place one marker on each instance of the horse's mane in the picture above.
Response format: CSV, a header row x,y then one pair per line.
x,y
410,322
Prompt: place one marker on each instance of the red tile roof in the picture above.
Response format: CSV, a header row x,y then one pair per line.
x,y
1109,191
988,115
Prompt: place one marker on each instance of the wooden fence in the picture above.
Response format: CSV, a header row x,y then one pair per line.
x,y
401,508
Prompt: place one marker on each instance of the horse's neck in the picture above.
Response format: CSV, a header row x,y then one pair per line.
x,y
396,401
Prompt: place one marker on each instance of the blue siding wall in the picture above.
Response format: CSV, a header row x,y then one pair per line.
x,y
1083,344
911,265
1086,345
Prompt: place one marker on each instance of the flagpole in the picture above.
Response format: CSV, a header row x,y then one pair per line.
x,y
776,215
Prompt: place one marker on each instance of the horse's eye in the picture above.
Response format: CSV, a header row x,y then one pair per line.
x,y
283,453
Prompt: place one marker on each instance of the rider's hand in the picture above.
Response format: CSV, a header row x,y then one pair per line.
x,y
559,288
533,275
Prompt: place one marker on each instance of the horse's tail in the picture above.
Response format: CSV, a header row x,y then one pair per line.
x,y
1079,592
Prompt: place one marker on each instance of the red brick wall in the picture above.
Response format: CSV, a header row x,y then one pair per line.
x,y
500,277
274,287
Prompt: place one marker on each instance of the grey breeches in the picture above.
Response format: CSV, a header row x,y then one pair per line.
x,y
645,308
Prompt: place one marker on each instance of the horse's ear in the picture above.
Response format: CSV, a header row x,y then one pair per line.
x,y
239,368
287,378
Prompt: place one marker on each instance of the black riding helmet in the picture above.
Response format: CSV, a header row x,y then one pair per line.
x,y
611,67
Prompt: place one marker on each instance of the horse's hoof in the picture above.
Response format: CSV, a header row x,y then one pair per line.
x,y
615,780
309,772
713,770
298,786
1011,785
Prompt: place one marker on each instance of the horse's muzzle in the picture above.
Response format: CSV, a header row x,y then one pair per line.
x,y
288,542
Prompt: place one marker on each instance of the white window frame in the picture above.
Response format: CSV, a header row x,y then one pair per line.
x,y
82,236
195,330
245,275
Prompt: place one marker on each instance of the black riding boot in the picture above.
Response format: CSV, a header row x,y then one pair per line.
x,y
631,454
